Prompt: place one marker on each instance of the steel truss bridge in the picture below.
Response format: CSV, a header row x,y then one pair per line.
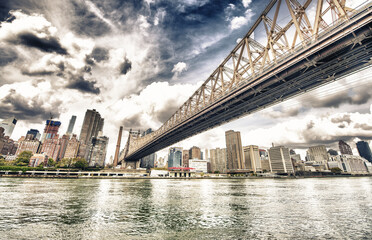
x,y
290,49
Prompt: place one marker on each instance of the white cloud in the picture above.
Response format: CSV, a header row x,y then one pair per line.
x,y
246,3
237,22
178,69
23,23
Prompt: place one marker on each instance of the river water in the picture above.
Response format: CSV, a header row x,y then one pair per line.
x,y
326,208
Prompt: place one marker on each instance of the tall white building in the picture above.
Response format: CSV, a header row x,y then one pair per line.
x,y
252,158
280,160
8,125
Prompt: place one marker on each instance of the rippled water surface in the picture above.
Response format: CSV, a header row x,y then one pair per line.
x,y
337,208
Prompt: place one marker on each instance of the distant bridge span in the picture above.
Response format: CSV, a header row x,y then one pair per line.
x,y
297,55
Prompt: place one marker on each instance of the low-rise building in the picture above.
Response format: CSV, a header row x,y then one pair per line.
x,y
198,165
38,159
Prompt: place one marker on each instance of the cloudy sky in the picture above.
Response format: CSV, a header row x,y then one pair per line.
x,y
137,61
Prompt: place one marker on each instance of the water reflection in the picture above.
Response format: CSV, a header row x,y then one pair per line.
x,y
182,209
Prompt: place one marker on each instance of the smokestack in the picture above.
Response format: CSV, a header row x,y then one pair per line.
x,y
116,159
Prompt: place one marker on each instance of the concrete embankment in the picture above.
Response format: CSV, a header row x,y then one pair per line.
x,y
141,175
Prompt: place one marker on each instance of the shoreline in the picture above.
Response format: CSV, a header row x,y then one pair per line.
x,y
173,178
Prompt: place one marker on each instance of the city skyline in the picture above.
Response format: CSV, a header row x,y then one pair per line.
x,y
142,92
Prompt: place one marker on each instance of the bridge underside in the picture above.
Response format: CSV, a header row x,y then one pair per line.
x,y
331,59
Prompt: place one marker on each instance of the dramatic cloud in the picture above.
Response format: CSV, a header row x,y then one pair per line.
x,y
84,86
33,110
120,57
7,56
32,31
125,66
100,54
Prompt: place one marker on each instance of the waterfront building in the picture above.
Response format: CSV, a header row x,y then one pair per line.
x,y
63,145
8,125
97,151
234,151
252,160
50,130
7,146
350,164
198,165
185,158
319,156
92,124
265,163
160,162
195,152
345,148
218,160
280,161
35,133
364,150
72,147
38,159
148,161
71,125
28,144
175,157
83,150
51,147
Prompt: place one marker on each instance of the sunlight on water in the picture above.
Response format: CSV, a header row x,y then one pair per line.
x,y
337,208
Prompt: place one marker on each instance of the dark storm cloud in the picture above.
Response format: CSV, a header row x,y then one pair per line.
x,y
100,54
83,86
125,67
49,44
36,73
335,101
134,122
33,110
86,22
7,56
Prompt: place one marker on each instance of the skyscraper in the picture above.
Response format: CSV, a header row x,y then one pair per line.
x,y
280,160
97,151
185,158
72,147
71,124
364,150
195,152
35,133
51,147
344,148
175,157
8,125
218,160
252,158
51,129
148,161
92,124
234,152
